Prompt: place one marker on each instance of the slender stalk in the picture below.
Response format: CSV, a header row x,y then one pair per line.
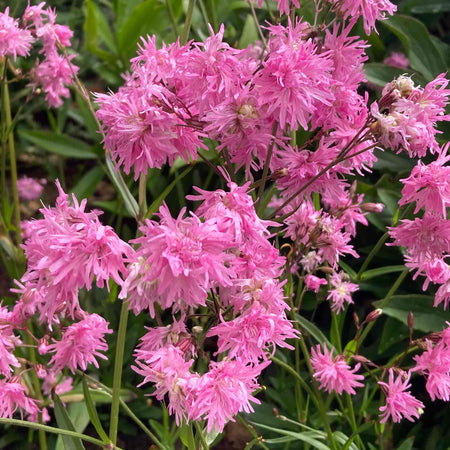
x,y
36,385
142,195
258,25
266,168
187,23
48,429
318,397
12,154
384,302
118,366
371,255
172,17
126,408
258,439
201,436
211,10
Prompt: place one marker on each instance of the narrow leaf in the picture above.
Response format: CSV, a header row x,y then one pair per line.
x,y
93,412
313,330
59,144
64,422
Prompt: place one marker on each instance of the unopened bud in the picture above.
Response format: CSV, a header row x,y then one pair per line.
x,y
275,412
353,187
356,319
372,207
373,315
43,346
197,330
326,269
410,320
361,359
40,370
279,173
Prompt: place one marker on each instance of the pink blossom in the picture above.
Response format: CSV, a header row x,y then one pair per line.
x,y
13,398
145,126
81,343
168,369
399,402
425,238
251,335
283,5
184,258
53,383
370,10
334,374
53,75
30,188
313,283
294,78
341,292
13,39
8,342
397,59
224,391
65,251
429,185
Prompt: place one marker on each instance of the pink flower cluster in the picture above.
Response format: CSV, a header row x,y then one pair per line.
x,y
406,115
67,250
427,238
30,188
220,258
55,72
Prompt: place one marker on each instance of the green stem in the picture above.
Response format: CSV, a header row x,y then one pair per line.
x,y
126,408
187,23
252,431
383,303
48,429
12,155
36,386
142,195
201,436
318,397
118,366
211,10
371,255
172,17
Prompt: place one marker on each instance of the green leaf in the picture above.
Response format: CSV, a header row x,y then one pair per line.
x,y
59,144
426,317
313,330
390,198
131,204
150,17
431,7
93,412
407,444
64,422
157,203
308,437
422,53
373,273
381,74
347,269
88,119
249,32
88,183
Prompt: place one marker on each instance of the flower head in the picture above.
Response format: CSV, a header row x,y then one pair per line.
x,y
399,402
334,374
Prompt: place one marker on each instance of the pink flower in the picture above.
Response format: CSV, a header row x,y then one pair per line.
x,y
30,188
81,343
225,391
53,75
370,10
399,402
168,369
283,5
425,238
65,251
145,126
251,335
184,258
429,185
13,40
397,59
341,292
13,397
313,283
294,79
334,374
